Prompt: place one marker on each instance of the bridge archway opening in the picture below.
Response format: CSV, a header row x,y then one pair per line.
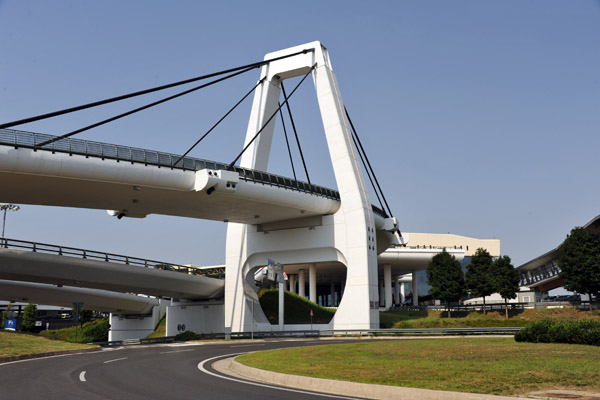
x,y
325,289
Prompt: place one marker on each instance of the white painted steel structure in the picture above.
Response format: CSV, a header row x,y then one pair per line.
x,y
347,236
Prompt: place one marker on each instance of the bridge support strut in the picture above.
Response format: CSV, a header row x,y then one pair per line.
x,y
347,237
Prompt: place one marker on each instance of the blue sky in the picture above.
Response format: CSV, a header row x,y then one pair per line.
x,y
481,118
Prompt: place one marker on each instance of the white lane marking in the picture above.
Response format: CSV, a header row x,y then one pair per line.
x,y
201,368
177,351
116,359
82,376
248,345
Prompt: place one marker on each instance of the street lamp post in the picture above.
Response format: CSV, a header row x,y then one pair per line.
x,y
7,207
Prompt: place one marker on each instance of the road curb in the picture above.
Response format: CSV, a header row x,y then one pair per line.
x,y
343,388
48,354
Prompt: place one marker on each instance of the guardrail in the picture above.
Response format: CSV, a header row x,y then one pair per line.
x,y
380,332
96,255
329,333
129,342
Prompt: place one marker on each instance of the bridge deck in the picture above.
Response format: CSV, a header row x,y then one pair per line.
x,y
36,264
63,296
138,182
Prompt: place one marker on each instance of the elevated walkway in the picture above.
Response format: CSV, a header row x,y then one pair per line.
x,y
136,182
543,272
64,296
59,265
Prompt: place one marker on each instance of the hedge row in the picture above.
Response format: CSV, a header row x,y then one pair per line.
x,y
583,331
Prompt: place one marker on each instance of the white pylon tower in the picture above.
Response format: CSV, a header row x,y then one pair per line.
x,y
347,237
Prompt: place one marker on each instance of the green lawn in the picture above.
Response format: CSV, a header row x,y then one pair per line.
x,y
478,365
16,344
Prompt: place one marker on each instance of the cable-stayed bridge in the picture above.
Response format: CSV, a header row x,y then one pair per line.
x,y
269,216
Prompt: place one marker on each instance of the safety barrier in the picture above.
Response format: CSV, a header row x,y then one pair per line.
x,y
6,243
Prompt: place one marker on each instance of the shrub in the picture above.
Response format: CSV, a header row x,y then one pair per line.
x,y
29,317
96,331
189,335
583,331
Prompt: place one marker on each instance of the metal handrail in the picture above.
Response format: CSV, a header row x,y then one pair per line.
x,y
539,274
45,248
88,148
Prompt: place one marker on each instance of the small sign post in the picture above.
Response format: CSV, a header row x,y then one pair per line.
x,y
311,317
281,280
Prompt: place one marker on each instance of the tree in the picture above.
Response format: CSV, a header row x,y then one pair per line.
x,y
506,279
446,278
5,315
579,262
480,275
29,317
85,316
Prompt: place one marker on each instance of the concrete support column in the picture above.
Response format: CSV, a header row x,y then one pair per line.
x,y
387,279
397,290
292,279
312,282
381,294
414,288
301,284
402,292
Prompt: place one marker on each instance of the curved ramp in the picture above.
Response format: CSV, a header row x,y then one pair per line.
x,y
18,265
93,299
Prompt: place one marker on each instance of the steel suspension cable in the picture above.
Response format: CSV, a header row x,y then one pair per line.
x,y
368,173
146,91
141,108
295,133
219,121
369,165
287,142
230,167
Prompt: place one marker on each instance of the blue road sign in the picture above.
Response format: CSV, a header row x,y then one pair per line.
x,y
10,324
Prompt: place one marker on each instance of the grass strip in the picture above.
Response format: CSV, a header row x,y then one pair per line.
x,y
16,344
476,319
161,329
478,365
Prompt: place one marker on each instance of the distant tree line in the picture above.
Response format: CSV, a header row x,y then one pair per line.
x,y
484,276
579,261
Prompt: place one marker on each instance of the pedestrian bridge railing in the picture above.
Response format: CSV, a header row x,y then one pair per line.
x,y
134,155
97,256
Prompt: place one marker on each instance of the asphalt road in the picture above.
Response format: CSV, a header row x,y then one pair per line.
x,y
166,371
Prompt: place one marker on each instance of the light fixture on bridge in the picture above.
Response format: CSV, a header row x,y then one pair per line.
x,y
7,207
